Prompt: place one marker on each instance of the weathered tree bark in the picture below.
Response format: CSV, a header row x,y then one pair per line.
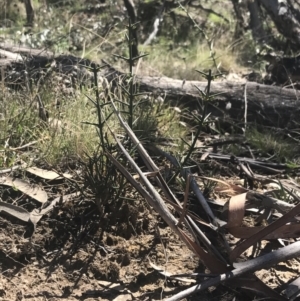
x,y
268,105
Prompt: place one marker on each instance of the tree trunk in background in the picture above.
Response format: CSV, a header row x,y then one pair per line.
x,y
29,12
239,27
285,19
256,23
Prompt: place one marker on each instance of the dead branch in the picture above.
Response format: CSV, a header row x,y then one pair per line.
x,y
262,262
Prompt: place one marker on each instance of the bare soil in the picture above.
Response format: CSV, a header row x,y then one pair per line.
x,y
76,255
72,257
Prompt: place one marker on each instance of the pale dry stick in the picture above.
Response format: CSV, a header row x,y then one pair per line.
x,y
19,147
292,84
188,220
154,200
187,188
138,65
151,165
154,32
2,78
70,27
186,173
246,107
193,184
147,159
250,266
16,167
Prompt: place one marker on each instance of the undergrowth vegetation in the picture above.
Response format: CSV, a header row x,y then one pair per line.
x,y
78,124
67,132
274,144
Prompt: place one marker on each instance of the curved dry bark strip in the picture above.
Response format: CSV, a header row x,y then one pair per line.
x,y
244,245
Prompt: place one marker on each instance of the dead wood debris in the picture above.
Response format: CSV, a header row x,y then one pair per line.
x,y
271,219
280,222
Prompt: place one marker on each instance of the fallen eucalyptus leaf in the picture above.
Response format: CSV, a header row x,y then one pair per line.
x,y
33,191
15,211
47,174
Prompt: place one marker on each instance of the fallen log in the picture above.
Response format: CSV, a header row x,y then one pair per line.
x,y
19,65
267,105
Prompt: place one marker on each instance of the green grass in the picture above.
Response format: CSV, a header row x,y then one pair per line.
x,y
181,62
270,143
60,137
67,132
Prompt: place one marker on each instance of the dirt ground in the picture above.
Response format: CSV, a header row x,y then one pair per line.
x,y
74,255
77,254
70,257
